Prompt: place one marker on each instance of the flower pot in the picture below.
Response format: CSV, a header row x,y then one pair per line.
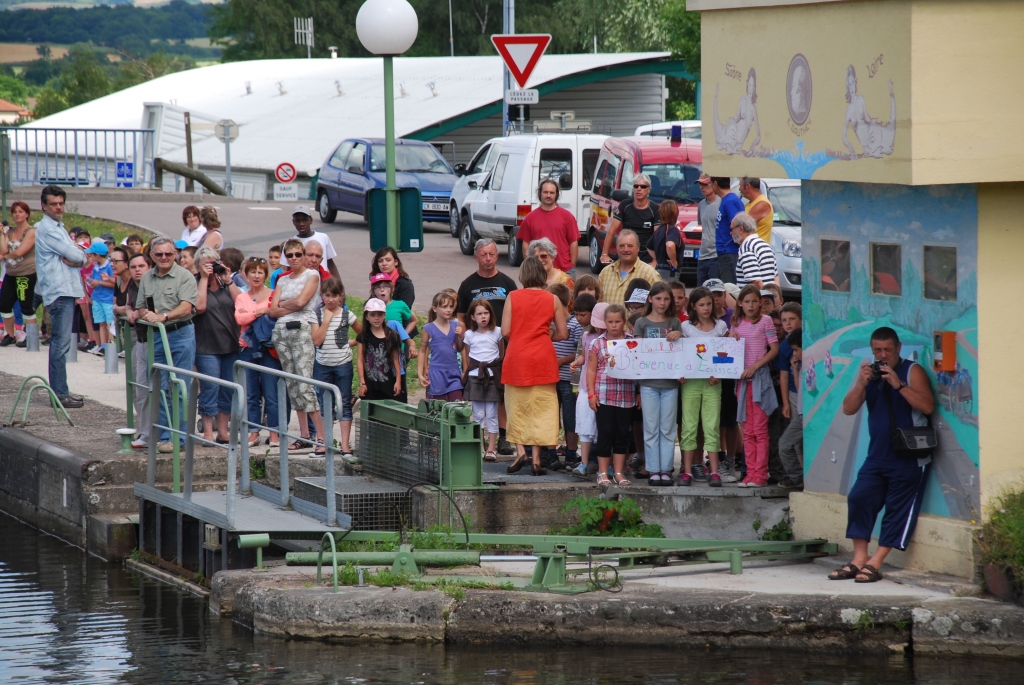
x,y
999,583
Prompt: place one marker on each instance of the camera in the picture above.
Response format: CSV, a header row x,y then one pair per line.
x,y
220,269
876,371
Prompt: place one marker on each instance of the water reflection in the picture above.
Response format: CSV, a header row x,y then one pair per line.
x,y
68,618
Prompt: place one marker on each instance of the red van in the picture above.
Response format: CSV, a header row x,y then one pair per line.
x,y
674,167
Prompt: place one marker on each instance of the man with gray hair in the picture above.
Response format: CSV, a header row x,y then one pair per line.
x,y
638,214
756,261
615,279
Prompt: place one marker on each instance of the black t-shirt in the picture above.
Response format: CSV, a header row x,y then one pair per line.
x,y
641,221
494,289
662,236
216,329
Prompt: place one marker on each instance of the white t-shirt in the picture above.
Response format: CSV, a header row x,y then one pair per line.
x,y
483,346
691,331
195,237
330,353
325,242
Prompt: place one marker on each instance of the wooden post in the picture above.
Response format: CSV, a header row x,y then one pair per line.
x,y
189,183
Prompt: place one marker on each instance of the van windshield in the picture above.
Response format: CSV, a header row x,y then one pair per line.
x,y
674,182
411,158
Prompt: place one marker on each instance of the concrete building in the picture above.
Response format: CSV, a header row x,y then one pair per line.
x,y
898,118
298,110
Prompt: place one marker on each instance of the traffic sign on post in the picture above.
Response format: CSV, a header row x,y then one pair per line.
x,y
226,130
285,172
522,97
521,52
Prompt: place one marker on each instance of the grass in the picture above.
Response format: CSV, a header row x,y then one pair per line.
x,y
95,226
1001,538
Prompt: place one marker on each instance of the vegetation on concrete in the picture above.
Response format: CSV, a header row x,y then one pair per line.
x,y
607,518
1001,538
385,577
781,531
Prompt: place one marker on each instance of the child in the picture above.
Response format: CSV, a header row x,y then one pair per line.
x,y
658,396
587,284
134,243
767,302
702,397
776,292
274,258
438,365
636,296
483,348
380,352
187,259
791,444
566,352
788,379
588,317
382,288
88,339
333,361
612,399
681,301
101,280
754,392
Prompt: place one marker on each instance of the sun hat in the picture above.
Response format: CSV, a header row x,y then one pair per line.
x,y
597,316
375,305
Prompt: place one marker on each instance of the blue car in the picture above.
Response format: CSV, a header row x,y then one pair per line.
x,y
345,178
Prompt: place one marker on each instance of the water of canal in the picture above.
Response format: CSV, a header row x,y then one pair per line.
x,y
69,618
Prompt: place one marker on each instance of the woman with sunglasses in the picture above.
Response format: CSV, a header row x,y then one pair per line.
x,y
261,387
638,214
293,304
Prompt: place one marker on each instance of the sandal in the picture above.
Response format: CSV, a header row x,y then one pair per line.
x,y
254,441
603,479
872,574
620,479
847,572
299,444
490,456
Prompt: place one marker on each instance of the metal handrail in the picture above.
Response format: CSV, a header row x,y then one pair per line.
x,y
111,157
331,401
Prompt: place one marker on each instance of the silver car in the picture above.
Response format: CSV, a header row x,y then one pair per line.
x,y
784,194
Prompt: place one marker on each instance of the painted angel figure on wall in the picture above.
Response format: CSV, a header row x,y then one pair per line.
x,y
731,135
876,139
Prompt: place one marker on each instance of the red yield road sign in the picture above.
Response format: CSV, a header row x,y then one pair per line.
x,y
285,172
521,52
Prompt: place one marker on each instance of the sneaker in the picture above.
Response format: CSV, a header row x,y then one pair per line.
x,y
120,354
580,471
44,341
164,447
715,481
505,447
140,444
685,479
726,470
636,463
22,342
700,473
20,335
791,484
592,468
8,340
96,350
87,346
571,458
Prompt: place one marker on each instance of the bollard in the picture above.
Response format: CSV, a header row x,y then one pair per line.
x,y
110,357
72,355
735,562
32,337
361,582
257,540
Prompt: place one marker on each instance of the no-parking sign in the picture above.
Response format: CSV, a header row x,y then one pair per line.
x,y
285,172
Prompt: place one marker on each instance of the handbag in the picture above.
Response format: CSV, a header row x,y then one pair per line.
x,y
915,442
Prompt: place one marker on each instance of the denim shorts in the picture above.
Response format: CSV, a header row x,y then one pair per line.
x,y
340,376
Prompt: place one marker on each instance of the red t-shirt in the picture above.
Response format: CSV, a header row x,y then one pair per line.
x,y
558,226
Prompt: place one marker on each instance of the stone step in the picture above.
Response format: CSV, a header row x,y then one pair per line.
x,y
133,470
121,499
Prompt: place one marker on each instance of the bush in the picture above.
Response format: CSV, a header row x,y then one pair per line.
x,y
1001,538
607,518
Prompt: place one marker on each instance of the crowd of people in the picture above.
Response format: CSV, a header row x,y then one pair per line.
x,y
530,356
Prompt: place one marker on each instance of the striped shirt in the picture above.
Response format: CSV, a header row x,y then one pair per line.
x,y
563,348
756,262
335,349
756,337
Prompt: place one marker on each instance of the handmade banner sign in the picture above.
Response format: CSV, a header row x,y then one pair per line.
x,y
641,358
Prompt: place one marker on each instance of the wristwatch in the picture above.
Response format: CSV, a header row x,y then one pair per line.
x,y
902,385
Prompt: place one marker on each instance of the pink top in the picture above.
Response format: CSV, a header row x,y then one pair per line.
x,y
588,338
756,339
245,310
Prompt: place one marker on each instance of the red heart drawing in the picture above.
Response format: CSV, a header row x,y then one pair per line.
x,y
631,344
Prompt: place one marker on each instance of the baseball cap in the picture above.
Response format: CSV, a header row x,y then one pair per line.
x,y
180,244
302,209
597,316
704,179
108,238
375,305
380,277
715,285
99,247
639,296
733,290
768,293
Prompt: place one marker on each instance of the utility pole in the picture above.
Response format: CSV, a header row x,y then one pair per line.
x,y
190,186
508,26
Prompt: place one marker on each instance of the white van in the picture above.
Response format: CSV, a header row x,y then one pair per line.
x,y
500,185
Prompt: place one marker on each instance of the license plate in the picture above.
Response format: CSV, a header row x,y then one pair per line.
x,y
690,254
435,207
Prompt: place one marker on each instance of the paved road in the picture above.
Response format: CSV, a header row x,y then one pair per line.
x,y
253,227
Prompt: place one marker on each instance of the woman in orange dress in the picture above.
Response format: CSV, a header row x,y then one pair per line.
x,y
530,369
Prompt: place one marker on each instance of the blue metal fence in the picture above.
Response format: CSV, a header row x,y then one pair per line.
x,y
112,158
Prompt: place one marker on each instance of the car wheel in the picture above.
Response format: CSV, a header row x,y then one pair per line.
x,y
595,254
453,220
515,249
467,236
323,206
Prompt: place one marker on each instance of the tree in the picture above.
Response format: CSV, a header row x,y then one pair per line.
x,y
134,69
13,89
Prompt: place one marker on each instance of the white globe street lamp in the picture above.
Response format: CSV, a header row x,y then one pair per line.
x,y
388,28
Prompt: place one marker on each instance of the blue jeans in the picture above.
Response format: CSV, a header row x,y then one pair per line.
x,y
706,268
183,356
62,312
659,408
727,267
341,376
260,385
216,399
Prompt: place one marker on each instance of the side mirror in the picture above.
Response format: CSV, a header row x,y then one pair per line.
x,y
620,195
354,169
565,181
460,169
473,184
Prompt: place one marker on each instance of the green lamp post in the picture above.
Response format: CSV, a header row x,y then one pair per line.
x,y
388,28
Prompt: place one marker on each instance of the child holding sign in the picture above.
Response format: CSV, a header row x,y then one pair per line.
x,y
658,396
702,397
755,393
612,399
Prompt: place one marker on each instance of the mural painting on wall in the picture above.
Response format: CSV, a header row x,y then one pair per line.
x,y
899,256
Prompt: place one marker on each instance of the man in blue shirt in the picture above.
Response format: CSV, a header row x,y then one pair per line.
x,y
728,250
58,261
